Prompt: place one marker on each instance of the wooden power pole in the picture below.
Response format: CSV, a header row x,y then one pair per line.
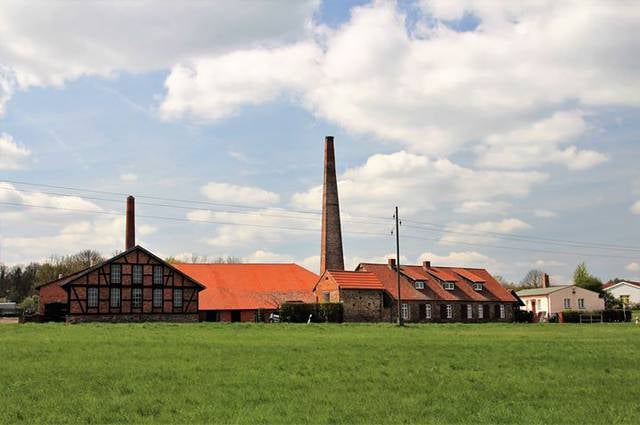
x,y
400,321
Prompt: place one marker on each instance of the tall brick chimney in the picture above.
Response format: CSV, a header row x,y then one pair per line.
x,y
130,232
331,257
545,280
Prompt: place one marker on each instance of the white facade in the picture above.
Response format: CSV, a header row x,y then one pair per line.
x,y
561,298
622,290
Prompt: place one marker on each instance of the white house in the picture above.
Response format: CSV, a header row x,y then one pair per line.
x,y
554,299
626,291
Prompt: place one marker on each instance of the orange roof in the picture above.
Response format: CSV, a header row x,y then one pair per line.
x,y
250,286
356,280
388,278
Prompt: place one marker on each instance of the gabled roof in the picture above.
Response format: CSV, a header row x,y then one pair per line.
x,y
355,280
61,280
388,278
124,253
250,286
541,291
609,285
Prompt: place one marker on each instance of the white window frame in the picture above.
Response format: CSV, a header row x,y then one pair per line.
x,y
92,297
136,295
503,313
405,311
177,297
449,286
566,303
158,275
115,297
478,286
136,274
581,303
480,311
116,274
155,298
469,311
624,297
427,311
449,311
419,284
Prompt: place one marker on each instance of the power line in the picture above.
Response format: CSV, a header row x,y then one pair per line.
x,y
579,254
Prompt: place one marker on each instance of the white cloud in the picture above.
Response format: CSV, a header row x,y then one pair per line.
x,y
262,256
633,267
245,195
12,155
516,74
539,143
635,208
544,213
458,259
482,207
7,84
481,232
38,203
397,179
50,42
128,177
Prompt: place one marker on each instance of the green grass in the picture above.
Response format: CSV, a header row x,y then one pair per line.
x,y
493,373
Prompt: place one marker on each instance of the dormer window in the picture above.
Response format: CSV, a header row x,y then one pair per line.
x,y
477,286
419,284
449,286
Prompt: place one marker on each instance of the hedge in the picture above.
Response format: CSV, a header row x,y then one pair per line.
x,y
607,315
320,313
523,316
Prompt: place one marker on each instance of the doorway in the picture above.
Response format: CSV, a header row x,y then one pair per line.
x,y
235,315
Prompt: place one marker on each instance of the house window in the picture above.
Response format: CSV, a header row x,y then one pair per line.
x,y
449,286
136,297
449,311
477,286
116,274
624,299
469,311
427,311
157,298
136,278
157,275
502,312
405,311
581,303
567,303
419,284
177,298
92,297
326,296
115,297
480,312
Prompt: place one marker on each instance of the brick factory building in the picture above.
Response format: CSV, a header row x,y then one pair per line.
x,y
249,292
134,285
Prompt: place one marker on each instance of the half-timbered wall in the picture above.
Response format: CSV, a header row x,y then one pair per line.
x,y
101,279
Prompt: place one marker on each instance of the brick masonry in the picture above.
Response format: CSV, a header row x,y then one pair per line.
x,y
331,255
133,318
361,305
417,312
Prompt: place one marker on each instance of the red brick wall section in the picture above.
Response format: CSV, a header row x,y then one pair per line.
x,y
327,284
51,293
224,316
248,316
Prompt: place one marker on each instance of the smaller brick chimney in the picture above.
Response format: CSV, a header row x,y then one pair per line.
x,y
545,280
130,232
426,265
391,262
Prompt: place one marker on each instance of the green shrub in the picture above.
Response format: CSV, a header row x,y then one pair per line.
x,y
320,313
523,316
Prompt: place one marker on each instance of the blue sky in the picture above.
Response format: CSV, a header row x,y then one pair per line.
x,y
495,128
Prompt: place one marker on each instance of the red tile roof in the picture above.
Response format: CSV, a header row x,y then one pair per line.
x,y
388,278
630,282
356,280
250,286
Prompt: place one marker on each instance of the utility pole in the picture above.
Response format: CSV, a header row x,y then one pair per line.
x,y
400,321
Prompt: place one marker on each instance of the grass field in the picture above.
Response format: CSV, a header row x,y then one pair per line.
x,y
492,373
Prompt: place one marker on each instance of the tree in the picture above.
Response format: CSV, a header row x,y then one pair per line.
x,y
583,279
533,279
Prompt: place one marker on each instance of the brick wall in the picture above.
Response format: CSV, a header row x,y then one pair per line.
x,y
51,293
132,318
361,305
417,312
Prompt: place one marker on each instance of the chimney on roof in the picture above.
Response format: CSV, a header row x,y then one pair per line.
x,y
391,262
426,265
130,232
331,256
59,275
545,280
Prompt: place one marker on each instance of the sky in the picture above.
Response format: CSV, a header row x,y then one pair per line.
x,y
507,133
